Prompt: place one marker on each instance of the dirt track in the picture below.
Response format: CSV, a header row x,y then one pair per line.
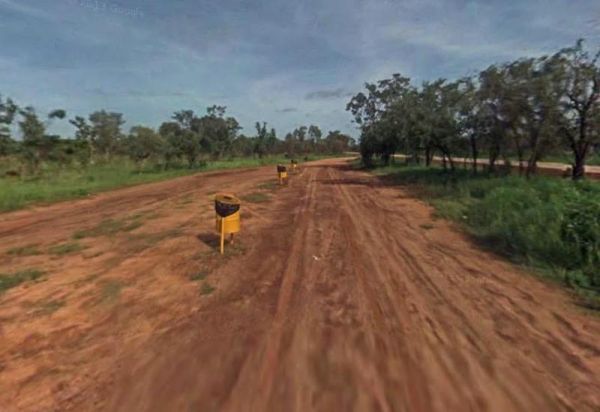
x,y
340,294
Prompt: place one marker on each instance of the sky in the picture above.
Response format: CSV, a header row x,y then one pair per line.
x,y
288,63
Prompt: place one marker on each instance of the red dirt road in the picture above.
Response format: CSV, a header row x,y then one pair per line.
x,y
341,293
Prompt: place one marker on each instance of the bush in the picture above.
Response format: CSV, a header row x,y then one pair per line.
x,y
581,230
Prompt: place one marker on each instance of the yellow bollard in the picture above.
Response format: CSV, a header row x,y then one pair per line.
x,y
227,207
282,174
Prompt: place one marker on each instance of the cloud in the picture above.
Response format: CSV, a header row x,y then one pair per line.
x,y
328,94
23,9
268,60
97,91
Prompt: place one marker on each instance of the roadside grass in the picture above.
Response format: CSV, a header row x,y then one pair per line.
x,y
549,224
66,248
201,275
27,250
15,279
206,289
255,197
270,185
110,227
55,183
47,307
137,243
110,290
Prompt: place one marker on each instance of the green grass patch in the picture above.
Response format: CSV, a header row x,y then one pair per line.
x,y
110,227
206,289
8,281
201,275
270,185
255,197
137,243
110,290
66,248
27,250
547,223
47,307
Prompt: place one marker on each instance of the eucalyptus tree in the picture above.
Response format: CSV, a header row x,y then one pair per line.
x,y
143,143
8,110
106,132
84,136
379,134
36,145
579,120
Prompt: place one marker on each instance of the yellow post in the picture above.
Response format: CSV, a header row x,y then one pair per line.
x,y
281,173
222,236
227,207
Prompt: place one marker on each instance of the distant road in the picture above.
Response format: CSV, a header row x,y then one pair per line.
x,y
547,168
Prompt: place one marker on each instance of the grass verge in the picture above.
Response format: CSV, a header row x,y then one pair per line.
x,y
55,183
66,248
13,280
550,224
255,197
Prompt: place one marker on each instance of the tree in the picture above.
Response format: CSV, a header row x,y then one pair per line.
x,y
381,131
216,132
172,135
336,142
8,110
84,136
579,120
106,127
315,134
187,135
260,143
144,143
33,135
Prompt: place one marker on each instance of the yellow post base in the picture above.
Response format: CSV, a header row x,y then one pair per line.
x,y
282,177
227,226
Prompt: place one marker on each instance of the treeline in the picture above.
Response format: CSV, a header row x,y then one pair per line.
x,y
186,139
523,110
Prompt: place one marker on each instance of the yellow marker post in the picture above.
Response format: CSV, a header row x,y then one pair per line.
x,y
227,207
282,174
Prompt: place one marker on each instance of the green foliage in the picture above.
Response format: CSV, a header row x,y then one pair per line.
x,y
143,143
547,222
581,229
198,276
15,279
529,109
206,289
66,248
105,132
28,250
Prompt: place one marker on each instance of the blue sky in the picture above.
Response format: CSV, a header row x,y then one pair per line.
x,y
285,62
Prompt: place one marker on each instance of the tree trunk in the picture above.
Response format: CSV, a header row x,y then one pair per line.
x,y
580,152
452,166
532,166
474,153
